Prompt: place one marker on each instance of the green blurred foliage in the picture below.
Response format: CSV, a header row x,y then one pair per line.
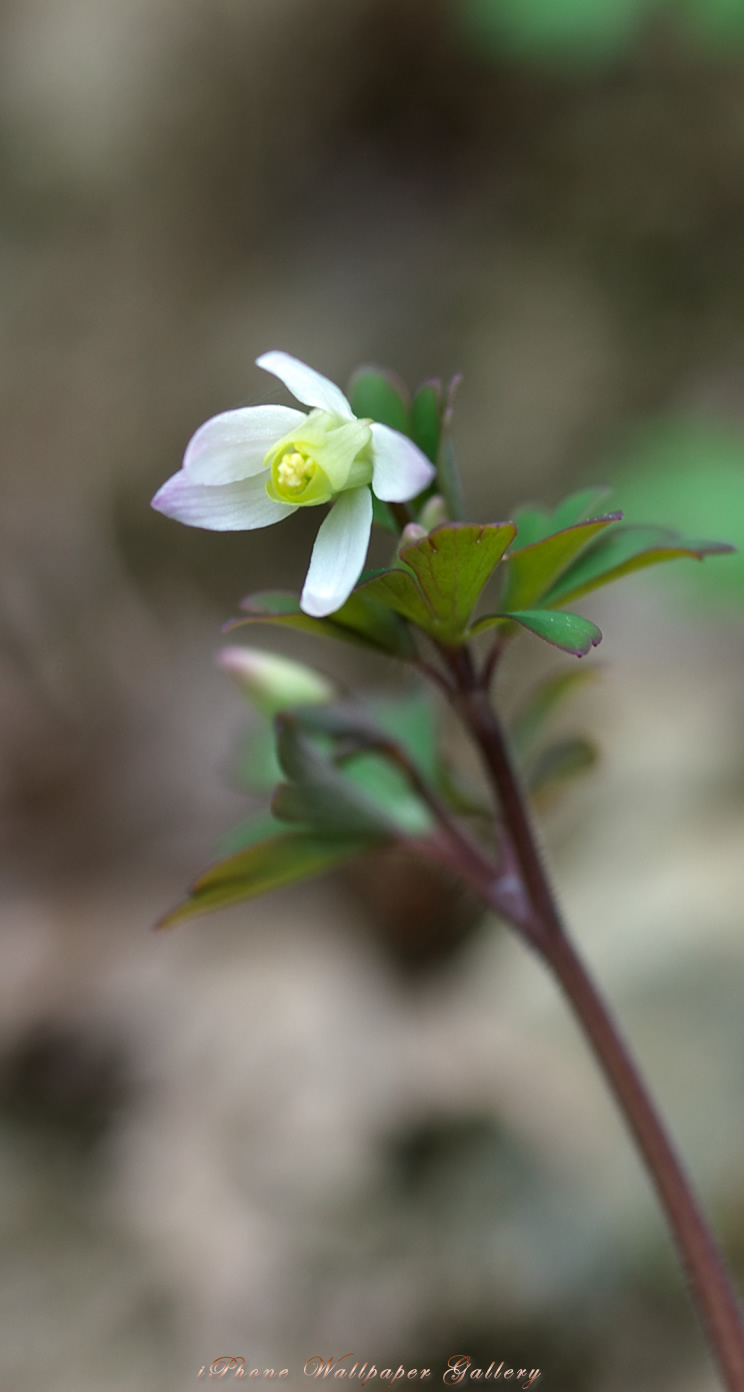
x,y
691,473
580,31
714,21
589,33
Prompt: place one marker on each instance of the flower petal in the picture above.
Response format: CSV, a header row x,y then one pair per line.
x,y
233,445
226,507
400,470
339,553
306,384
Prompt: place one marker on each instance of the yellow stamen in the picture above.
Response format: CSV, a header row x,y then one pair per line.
x,y
294,470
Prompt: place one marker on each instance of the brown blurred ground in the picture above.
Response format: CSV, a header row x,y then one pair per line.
x,y
259,1135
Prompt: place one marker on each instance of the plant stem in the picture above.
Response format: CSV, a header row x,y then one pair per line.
x,y
710,1282
468,854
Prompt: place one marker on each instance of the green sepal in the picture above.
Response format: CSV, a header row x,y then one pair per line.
x,y
362,619
268,864
378,395
530,571
445,574
625,550
570,632
426,419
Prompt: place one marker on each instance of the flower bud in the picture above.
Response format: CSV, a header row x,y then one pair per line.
x,y
411,533
273,683
433,512
409,536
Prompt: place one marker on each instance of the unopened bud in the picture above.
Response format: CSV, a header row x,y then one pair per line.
x,y
273,683
434,512
411,533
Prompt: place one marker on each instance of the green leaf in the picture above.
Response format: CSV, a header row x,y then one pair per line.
x,y
382,516
531,570
451,566
560,761
536,523
426,419
362,619
398,590
542,702
388,787
321,793
279,860
410,723
581,506
720,23
689,472
628,549
257,768
576,32
258,827
378,395
322,813
570,632
409,720
448,474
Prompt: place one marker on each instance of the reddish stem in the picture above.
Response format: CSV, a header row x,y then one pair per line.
x,y
710,1282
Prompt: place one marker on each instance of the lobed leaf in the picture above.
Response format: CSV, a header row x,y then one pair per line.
x,y
444,576
535,523
453,564
280,860
259,826
531,570
581,506
399,591
362,619
627,549
570,632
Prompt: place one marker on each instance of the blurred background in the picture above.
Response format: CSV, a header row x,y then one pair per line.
x,y
356,1115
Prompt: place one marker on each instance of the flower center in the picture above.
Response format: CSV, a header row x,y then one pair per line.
x,y
295,470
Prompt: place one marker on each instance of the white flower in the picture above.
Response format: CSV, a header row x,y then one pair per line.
x,y
248,468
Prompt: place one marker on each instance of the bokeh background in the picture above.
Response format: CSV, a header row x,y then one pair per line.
x,y
356,1115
